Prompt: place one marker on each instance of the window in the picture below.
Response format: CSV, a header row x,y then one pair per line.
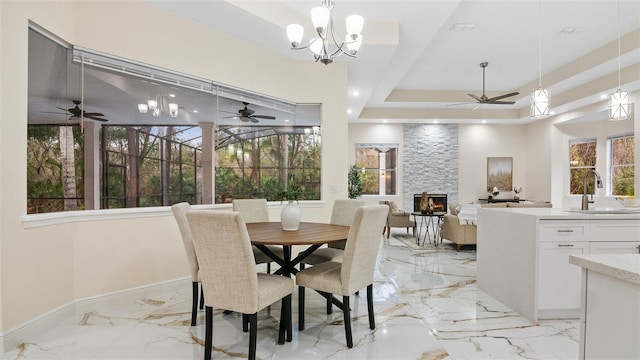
x,y
582,158
621,165
378,163
103,130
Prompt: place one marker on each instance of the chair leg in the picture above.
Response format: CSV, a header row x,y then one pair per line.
x,y
285,321
201,297
289,322
245,322
372,320
268,268
300,308
329,304
301,266
347,321
208,332
194,302
388,231
253,332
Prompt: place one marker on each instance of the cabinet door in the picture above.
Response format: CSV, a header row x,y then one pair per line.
x,y
559,282
615,247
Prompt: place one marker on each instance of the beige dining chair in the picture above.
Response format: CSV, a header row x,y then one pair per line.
x,y
179,213
253,211
229,277
353,273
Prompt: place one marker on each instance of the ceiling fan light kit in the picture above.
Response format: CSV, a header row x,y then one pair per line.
x,y
322,19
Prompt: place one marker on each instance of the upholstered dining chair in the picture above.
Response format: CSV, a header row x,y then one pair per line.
x,y
229,277
179,213
253,211
354,272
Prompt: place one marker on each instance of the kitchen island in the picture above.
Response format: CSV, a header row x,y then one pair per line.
x,y
610,313
523,255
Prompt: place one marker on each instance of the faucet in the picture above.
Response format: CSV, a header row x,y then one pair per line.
x,y
585,200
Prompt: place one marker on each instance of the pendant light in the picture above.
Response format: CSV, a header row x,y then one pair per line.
x,y
540,98
619,105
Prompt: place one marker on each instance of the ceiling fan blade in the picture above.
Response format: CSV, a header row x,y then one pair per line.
x,y
464,103
255,121
89,114
96,118
51,112
63,109
477,106
475,97
268,117
503,96
501,102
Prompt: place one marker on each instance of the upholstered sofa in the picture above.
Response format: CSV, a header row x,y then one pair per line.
x,y
466,234
398,218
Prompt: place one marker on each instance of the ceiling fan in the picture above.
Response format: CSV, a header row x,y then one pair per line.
x,y
483,99
77,112
247,114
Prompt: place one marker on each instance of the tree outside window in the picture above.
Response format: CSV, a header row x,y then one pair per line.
x,y
582,158
621,165
378,166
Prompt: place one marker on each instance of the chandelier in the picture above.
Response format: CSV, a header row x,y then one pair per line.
x,y
159,105
619,104
325,47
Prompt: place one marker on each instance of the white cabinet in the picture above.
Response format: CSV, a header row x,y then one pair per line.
x,y
559,281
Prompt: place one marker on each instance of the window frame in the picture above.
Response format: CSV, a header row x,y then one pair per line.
x,y
590,167
390,174
611,165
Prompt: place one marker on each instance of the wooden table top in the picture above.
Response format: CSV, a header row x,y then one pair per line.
x,y
271,233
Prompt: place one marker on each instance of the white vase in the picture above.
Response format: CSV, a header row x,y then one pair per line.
x,y
290,217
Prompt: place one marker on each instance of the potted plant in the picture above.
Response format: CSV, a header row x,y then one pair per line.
x,y
290,213
517,190
493,192
354,183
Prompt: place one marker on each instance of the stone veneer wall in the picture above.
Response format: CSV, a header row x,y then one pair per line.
x,y
430,161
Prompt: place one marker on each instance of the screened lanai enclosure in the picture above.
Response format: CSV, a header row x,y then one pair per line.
x,y
106,132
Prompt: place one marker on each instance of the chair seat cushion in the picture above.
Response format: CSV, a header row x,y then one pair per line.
x,y
272,288
323,277
261,258
323,255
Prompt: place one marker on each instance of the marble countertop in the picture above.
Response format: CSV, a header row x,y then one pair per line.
x,y
625,267
568,214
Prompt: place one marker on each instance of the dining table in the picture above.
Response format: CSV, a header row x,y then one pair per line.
x,y
310,234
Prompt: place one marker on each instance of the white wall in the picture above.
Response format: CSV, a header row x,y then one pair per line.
x,y
476,143
47,267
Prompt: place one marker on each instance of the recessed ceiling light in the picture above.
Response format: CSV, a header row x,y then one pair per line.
x,y
552,113
355,93
570,30
385,121
172,95
349,111
459,27
286,120
484,121
604,96
435,121
195,111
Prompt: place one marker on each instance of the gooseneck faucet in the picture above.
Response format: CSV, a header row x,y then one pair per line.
x,y
585,200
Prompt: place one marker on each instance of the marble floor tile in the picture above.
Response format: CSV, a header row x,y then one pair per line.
x,y
426,303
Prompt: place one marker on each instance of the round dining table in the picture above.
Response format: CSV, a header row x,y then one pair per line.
x,y
309,233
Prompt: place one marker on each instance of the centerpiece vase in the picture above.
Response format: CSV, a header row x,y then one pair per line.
x,y
290,217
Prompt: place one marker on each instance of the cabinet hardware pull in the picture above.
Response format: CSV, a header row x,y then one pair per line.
x,y
638,247
565,245
565,231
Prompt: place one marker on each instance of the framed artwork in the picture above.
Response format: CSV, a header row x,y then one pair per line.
x,y
500,173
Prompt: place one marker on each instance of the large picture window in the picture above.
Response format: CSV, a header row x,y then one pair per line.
x,y
107,132
582,158
378,164
621,165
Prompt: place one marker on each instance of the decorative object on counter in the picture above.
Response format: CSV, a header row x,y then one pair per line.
x,y
355,183
629,202
493,192
290,213
424,204
517,190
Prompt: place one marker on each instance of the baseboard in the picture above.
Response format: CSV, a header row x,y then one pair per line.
x,y
33,327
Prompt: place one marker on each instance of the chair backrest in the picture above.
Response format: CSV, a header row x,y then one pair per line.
x,y
179,213
344,210
252,210
227,267
361,250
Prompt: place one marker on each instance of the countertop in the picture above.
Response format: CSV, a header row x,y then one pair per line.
x,y
565,214
625,267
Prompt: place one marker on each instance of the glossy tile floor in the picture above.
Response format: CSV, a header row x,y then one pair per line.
x,y
426,302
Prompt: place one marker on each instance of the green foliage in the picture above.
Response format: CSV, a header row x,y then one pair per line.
x,y
354,183
623,182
